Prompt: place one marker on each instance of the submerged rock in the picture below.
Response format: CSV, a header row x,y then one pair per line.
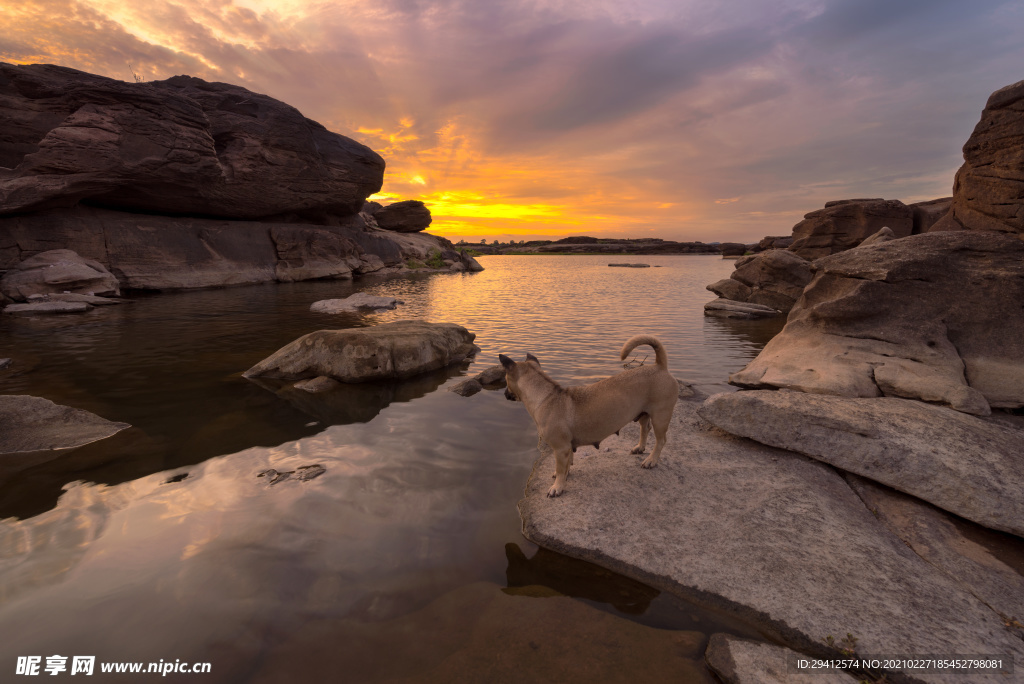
x,y
36,424
46,308
391,350
58,271
771,536
928,317
725,308
631,265
467,388
963,464
359,300
318,384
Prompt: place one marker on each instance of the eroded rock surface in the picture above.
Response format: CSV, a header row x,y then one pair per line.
x,y
388,351
774,278
988,192
359,300
410,216
843,224
725,308
180,146
960,463
935,317
772,536
740,661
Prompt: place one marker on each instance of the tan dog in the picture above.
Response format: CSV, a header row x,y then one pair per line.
x,y
570,417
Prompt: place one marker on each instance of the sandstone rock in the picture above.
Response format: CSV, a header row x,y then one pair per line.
x,y
733,249
492,376
471,263
775,278
740,661
927,214
163,252
729,288
410,216
845,223
57,271
181,146
928,317
467,388
359,300
972,559
770,536
725,308
4,363
631,265
988,192
962,464
320,383
775,242
46,308
884,235
37,424
391,350
371,208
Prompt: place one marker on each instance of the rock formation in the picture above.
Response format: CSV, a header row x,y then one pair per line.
x,y
57,271
397,350
988,191
774,278
183,184
845,223
935,317
410,216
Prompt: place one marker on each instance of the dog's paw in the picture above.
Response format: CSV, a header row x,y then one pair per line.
x,y
637,450
648,463
555,491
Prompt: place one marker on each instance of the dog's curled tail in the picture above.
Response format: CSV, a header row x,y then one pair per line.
x,y
661,357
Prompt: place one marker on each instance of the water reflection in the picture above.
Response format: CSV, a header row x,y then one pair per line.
x,y
177,549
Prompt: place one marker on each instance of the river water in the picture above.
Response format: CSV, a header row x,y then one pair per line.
x,y
402,562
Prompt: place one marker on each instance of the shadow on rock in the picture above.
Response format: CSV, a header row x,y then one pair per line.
x,y
571,577
357,402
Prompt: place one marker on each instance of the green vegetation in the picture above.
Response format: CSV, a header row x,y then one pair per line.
x,y
414,263
434,260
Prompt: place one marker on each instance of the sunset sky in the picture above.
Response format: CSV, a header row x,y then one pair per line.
x,y
678,119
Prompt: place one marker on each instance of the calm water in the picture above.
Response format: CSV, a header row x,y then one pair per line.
x,y
404,561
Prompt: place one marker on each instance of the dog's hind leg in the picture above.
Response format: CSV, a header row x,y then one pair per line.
x,y
645,424
660,423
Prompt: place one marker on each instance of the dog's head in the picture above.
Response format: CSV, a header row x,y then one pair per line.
x,y
513,372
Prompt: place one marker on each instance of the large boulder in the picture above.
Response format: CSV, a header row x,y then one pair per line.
x,y
988,192
843,224
180,146
388,351
58,271
935,317
410,216
35,424
963,464
764,534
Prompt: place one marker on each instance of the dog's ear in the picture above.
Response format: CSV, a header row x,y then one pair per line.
x,y
531,357
505,361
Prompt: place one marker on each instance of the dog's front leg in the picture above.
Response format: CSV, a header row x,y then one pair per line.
x,y
563,459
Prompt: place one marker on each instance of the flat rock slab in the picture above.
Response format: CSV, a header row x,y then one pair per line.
x,y
359,300
976,559
36,424
740,661
960,463
773,537
46,308
631,265
395,350
727,308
